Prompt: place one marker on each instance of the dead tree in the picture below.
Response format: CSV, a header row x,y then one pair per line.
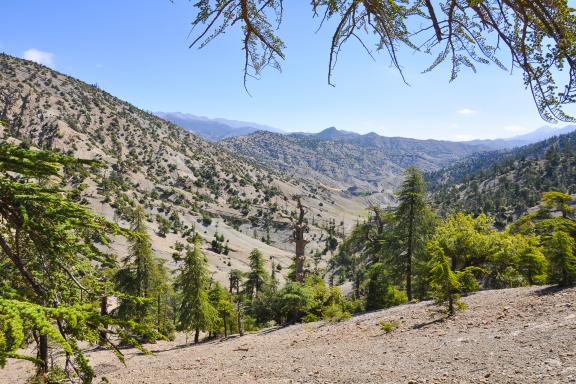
x,y
300,227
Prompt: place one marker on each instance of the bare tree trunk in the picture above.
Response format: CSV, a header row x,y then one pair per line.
x,y
196,336
42,369
300,227
299,259
159,313
409,255
103,312
239,318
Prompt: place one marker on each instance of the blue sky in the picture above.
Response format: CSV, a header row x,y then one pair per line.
x,y
138,51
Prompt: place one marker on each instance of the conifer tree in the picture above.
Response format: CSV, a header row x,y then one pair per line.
x,y
380,291
532,262
195,313
413,222
220,299
561,253
257,277
447,285
52,279
139,276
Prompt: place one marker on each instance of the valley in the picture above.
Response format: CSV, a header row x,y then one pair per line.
x,y
168,247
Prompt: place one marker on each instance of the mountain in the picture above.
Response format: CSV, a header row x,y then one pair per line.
x,y
539,134
507,183
186,183
213,129
367,164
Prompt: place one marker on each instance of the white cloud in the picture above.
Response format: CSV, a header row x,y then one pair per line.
x,y
516,129
40,57
467,111
454,125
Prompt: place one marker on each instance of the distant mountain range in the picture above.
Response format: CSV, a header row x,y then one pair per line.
x,y
220,129
540,134
213,129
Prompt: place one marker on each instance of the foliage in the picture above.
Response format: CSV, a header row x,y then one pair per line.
x,y
561,250
53,265
380,291
221,301
538,36
257,277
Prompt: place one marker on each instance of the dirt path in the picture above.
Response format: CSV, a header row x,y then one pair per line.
x,y
524,335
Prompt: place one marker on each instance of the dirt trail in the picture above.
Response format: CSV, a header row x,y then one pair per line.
x,y
523,335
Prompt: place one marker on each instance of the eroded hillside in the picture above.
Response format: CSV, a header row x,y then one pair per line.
x,y
363,164
184,182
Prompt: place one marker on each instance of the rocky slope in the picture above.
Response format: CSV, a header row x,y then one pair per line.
x,y
363,164
185,182
521,335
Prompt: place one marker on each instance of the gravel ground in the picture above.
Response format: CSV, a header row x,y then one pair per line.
x,y
523,335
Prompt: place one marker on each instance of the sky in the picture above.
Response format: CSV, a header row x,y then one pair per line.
x,y
138,51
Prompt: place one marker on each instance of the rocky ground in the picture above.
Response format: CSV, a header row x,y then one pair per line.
x,y
523,335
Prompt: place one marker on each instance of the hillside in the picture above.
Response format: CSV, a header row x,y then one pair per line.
x,y
362,164
505,336
183,181
507,183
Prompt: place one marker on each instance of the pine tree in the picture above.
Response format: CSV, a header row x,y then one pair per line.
x,y
139,276
195,313
413,221
257,277
447,285
380,292
220,299
561,250
53,277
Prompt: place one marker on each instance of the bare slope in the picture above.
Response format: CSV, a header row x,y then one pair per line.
x,y
522,335
173,173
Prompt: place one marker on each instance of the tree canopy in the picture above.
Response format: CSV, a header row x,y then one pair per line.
x,y
539,37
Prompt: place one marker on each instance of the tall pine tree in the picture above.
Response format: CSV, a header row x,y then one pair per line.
x,y
139,276
196,313
413,219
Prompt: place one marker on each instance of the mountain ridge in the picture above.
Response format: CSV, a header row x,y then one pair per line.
x,y
368,164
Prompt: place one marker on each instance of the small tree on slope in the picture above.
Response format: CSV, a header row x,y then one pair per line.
x,y
447,285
